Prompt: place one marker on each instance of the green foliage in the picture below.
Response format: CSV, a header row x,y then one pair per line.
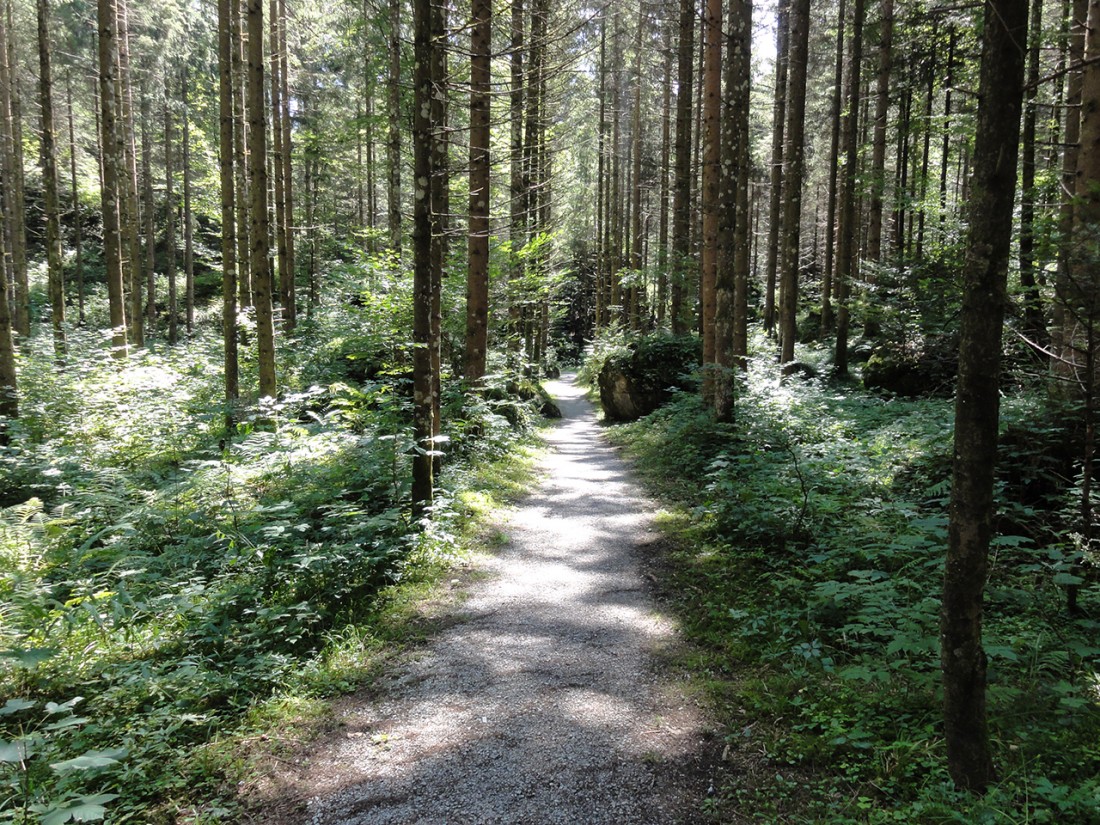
x,y
810,571
175,574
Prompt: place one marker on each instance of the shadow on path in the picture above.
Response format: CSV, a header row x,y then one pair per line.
x,y
543,705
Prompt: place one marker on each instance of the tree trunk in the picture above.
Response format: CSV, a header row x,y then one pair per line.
x,y
963,660
9,398
109,145
129,213
615,254
394,143
290,308
1034,326
148,209
78,251
517,231
848,233
681,196
277,160
441,207
712,148
477,280
666,153
792,178
229,207
834,154
240,152
945,150
601,188
188,218
21,311
170,238
733,182
637,289
257,160
423,140
1062,343
778,161
741,75
878,147
55,270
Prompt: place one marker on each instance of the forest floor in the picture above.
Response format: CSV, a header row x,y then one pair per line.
x,y
551,694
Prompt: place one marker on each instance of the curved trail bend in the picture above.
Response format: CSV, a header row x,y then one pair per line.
x,y
544,703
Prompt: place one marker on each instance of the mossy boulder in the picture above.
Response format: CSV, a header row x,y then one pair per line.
x,y
927,369
644,375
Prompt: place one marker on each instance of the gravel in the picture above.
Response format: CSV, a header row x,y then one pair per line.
x,y
545,702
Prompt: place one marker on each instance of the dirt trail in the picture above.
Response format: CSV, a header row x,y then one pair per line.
x,y
543,704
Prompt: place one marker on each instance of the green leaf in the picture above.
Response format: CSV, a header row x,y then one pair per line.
x,y
81,809
1067,578
13,752
16,705
67,722
1001,652
29,658
89,760
52,708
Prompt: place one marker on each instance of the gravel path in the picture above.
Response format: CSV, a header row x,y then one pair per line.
x,y
544,704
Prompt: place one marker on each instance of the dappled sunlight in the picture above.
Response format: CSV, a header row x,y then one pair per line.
x,y
544,698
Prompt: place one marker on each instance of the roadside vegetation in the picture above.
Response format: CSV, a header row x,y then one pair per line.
x,y
807,543
169,586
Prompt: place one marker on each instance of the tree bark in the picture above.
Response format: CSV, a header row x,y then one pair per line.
x,y
240,151
423,140
1034,327
278,158
21,310
229,207
778,161
834,155
109,145
78,250
848,232
792,177
170,239
257,161
188,218
1062,343
712,148
290,310
977,403
681,197
129,213
517,231
741,74
636,290
878,146
394,143
55,270
732,232
148,210
666,154
477,280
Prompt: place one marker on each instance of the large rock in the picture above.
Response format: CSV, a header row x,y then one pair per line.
x,y
638,381
927,368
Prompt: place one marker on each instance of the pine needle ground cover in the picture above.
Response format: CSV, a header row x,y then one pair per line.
x,y
168,586
807,556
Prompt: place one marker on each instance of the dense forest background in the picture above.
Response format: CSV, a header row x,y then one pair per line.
x,y
279,281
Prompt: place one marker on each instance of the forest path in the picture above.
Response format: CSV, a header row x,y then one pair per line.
x,y
544,702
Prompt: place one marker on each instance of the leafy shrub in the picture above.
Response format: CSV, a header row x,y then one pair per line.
x,y
814,555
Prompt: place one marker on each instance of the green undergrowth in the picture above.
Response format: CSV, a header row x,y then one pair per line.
x,y
808,541
172,591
